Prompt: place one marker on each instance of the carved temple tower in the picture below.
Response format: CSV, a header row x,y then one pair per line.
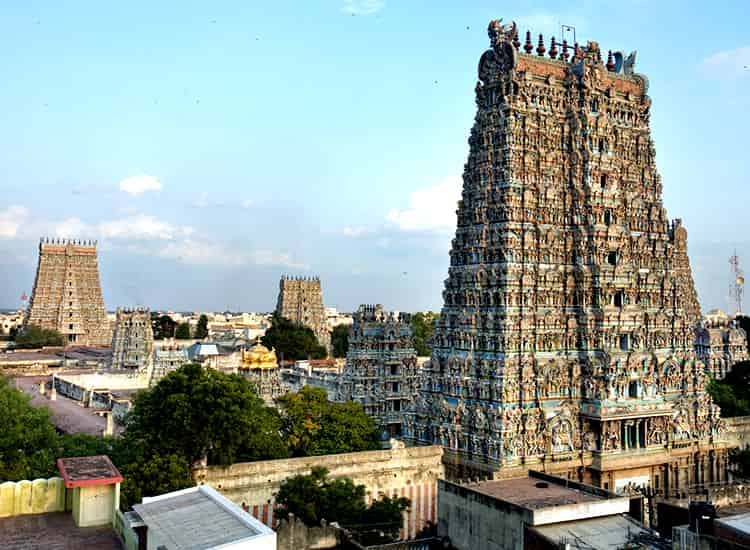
x,y
67,296
301,300
381,367
566,340
133,340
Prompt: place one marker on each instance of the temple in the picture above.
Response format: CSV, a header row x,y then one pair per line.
x,y
566,339
67,296
301,300
260,366
132,339
381,367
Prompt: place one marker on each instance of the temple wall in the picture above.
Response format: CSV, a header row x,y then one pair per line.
x,y
411,473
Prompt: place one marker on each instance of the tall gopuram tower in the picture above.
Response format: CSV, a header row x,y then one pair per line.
x,y
301,300
381,367
566,340
67,296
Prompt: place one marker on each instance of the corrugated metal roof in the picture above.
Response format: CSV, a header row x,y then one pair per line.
x,y
192,521
605,533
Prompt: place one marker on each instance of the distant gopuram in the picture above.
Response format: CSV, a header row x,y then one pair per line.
x,y
132,339
566,340
301,300
67,296
381,367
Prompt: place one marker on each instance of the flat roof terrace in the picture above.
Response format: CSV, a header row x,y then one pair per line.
x,y
55,531
535,493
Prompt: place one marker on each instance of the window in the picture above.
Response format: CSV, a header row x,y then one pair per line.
x,y
397,405
607,217
612,258
394,387
624,344
603,180
619,298
632,388
70,326
394,370
656,482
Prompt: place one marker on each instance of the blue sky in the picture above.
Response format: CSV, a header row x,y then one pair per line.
x,y
213,146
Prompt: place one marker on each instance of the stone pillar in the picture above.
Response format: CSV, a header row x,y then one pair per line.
x,y
53,392
42,387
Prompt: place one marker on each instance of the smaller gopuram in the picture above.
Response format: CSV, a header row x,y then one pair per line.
x,y
301,300
381,367
261,368
132,339
67,296
720,343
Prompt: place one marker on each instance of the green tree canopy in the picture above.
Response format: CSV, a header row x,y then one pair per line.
x,y
732,393
423,325
28,441
33,336
201,330
315,497
293,341
312,425
163,326
183,331
340,340
201,413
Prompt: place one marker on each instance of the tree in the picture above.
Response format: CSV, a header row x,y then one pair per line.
x,y
293,340
201,414
315,497
163,326
151,474
423,325
183,331
312,425
33,336
732,393
28,441
201,330
340,340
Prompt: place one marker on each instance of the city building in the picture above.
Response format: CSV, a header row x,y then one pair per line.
x,y
567,332
381,367
198,517
335,318
168,356
720,343
132,339
260,366
67,296
323,373
537,511
10,321
301,300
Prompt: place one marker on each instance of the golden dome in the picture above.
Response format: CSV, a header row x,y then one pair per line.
x,y
259,357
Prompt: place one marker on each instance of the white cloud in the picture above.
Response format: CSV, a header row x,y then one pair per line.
x,y
71,228
432,209
11,220
354,232
247,203
137,185
195,252
362,7
142,227
728,63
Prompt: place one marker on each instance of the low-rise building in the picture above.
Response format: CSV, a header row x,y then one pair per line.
x,y
536,512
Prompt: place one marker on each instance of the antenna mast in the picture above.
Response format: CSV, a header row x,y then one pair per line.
x,y
737,286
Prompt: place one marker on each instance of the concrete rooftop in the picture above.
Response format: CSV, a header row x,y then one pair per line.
x,y
54,531
529,492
